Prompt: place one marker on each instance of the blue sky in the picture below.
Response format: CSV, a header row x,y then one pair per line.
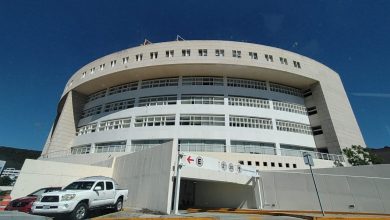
x,y
42,43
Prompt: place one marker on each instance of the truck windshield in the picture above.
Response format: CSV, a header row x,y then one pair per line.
x,y
81,185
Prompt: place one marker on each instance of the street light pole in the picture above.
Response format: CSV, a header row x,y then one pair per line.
x,y
309,161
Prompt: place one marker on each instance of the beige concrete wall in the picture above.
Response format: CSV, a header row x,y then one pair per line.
x,y
351,189
64,128
36,174
148,176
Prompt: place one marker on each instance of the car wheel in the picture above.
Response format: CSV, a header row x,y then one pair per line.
x,y
80,212
119,205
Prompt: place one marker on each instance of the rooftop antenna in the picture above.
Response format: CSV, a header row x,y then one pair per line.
x,y
179,38
146,42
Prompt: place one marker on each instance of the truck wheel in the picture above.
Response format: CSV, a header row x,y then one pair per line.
x,y
119,205
80,212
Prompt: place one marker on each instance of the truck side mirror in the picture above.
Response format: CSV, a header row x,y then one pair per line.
x,y
97,188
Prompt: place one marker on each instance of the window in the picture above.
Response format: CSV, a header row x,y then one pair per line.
x,y
247,83
140,145
280,164
117,146
205,81
265,164
200,145
295,127
250,122
169,53
84,74
272,164
123,88
249,102
157,100
317,130
119,105
138,57
186,52
252,147
289,107
202,99
125,60
159,83
154,120
269,58
236,53
114,124
297,64
202,120
97,95
113,63
283,60
102,66
257,163
249,163
84,149
101,184
241,162
86,129
109,186
253,55
153,55
285,89
312,110
287,165
219,53
91,111
93,70
294,165
202,52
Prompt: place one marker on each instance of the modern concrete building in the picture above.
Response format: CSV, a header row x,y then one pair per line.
x,y
239,107
249,103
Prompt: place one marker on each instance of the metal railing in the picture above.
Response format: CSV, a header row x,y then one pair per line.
x,y
248,149
315,155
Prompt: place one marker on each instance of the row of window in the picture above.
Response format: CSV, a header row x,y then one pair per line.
x,y
201,100
104,126
265,164
193,81
201,120
295,127
187,52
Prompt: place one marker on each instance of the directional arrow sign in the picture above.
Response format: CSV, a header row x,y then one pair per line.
x,y
189,159
202,162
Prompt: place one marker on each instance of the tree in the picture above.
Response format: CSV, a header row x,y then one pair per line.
x,y
357,156
5,181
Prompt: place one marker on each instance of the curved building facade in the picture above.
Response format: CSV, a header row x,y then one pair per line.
x,y
249,103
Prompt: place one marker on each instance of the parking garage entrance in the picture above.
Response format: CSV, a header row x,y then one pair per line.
x,y
195,193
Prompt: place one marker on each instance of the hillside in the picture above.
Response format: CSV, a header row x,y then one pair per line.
x,y
15,156
383,153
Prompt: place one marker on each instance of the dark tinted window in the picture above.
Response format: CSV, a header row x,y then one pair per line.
x,y
81,185
109,185
101,184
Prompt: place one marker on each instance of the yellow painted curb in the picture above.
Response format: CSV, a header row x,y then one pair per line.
x,y
168,218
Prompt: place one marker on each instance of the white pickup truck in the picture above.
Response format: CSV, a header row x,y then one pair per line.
x,y
80,196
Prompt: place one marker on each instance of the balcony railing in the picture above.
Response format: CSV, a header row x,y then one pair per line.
x,y
315,155
248,149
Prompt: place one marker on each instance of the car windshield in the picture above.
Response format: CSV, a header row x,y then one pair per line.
x,y
80,185
44,190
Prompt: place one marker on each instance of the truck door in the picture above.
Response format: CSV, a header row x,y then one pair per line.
x,y
110,193
98,196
